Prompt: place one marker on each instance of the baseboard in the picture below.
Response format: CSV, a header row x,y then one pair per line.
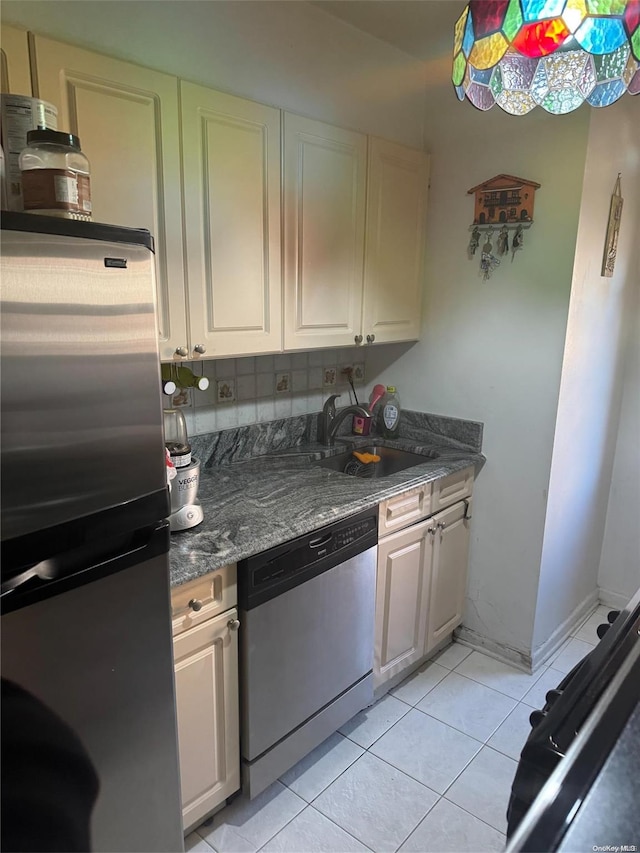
x,y
540,655
514,657
613,599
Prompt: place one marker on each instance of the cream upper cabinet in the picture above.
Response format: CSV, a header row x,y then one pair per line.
x,y
402,600
324,210
128,122
14,61
448,571
231,175
395,242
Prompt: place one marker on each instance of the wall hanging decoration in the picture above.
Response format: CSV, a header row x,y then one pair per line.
x,y
555,54
504,201
474,242
611,244
488,261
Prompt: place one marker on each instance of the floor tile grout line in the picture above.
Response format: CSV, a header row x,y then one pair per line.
x,y
281,828
433,687
465,767
271,837
201,839
420,782
393,767
486,823
335,823
495,689
484,742
422,819
444,796
366,748
342,772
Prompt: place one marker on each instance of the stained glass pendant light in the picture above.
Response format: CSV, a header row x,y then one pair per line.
x,y
555,54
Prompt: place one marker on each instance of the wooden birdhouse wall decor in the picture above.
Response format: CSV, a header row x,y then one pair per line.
x,y
504,200
503,204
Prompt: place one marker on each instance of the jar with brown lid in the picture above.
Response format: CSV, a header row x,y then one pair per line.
x,y
55,175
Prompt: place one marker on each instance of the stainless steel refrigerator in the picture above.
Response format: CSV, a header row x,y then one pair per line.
x,y
86,623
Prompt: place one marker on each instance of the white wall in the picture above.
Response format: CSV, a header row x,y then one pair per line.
x,y
288,54
492,350
619,572
592,374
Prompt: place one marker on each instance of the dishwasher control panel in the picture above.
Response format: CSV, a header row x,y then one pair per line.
x,y
354,532
266,574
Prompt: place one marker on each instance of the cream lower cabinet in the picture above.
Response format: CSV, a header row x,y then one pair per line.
x,y
449,559
205,651
422,572
127,120
402,600
231,179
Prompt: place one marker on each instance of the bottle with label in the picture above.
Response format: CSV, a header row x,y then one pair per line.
x,y
390,413
55,175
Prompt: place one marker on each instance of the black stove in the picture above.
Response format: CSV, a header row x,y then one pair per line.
x,y
568,753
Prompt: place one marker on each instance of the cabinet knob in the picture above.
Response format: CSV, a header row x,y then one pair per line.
x,y
441,525
200,349
195,604
183,352
370,339
431,530
233,624
358,339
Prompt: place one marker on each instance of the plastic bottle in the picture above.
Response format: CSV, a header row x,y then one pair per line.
x,y
55,175
390,413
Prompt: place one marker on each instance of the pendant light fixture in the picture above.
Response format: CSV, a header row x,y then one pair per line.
x,y
555,54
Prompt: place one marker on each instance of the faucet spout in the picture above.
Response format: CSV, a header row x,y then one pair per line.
x,y
330,419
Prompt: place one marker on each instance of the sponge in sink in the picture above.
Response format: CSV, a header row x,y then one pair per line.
x,y
366,458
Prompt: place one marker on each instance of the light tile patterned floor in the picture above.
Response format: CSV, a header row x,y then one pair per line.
x,y
427,768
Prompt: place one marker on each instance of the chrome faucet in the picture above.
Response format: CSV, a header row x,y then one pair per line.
x,y
330,419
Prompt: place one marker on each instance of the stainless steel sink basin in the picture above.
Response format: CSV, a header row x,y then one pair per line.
x,y
391,461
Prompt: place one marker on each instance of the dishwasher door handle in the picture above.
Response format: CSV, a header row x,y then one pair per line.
x,y
321,540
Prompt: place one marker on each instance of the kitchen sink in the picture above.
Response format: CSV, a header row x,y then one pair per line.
x,y
391,461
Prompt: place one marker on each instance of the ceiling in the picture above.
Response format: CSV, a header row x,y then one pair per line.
x,y
421,28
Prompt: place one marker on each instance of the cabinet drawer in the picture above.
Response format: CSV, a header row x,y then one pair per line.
x,y
215,592
404,509
453,488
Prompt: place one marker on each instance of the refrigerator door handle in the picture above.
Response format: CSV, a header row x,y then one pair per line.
x,y
46,570
82,565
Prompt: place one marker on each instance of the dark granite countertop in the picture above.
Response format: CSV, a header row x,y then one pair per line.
x,y
250,506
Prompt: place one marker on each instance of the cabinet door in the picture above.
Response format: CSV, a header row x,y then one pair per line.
x,y
206,673
402,591
395,241
231,173
324,205
127,120
14,61
448,572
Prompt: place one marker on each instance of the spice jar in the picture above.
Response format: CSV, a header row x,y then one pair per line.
x,y
55,175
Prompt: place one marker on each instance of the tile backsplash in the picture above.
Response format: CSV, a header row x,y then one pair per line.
x,y
257,389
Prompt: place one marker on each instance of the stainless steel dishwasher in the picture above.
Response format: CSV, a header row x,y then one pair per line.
x,y
306,643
